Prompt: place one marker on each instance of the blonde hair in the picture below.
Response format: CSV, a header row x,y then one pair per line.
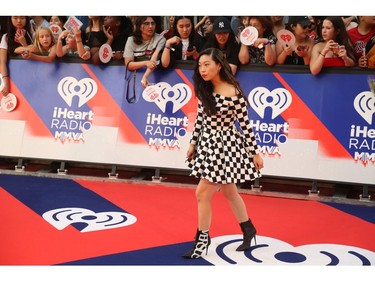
x,y
36,38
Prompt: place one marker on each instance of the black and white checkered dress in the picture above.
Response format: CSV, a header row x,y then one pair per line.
x,y
223,153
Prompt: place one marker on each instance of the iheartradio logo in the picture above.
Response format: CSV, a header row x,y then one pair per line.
x,y
63,217
278,99
162,93
364,104
69,87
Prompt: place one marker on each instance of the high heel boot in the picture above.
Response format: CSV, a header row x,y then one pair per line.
x,y
202,242
249,233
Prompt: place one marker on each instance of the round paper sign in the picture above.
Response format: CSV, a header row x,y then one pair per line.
x,y
56,30
9,102
286,37
1,82
152,93
105,53
249,35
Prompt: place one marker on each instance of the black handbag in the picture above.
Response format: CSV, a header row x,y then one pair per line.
x,y
130,84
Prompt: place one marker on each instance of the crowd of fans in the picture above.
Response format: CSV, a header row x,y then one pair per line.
x,y
160,41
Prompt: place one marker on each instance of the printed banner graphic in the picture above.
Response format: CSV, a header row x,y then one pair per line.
x,y
80,112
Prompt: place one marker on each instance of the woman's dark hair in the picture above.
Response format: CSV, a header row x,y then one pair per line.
x,y
204,89
138,23
126,26
3,25
11,32
193,37
266,24
63,19
342,36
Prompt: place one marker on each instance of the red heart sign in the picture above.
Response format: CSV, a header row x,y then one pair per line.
x,y
286,37
246,33
54,29
105,53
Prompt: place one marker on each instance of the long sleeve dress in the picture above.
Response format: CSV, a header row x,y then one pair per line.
x,y
223,153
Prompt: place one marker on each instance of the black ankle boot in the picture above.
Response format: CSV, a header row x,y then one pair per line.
x,y
249,233
202,241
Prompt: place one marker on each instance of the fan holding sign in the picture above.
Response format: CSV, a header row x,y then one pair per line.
x,y
262,48
293,43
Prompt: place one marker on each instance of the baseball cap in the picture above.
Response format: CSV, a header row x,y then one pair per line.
x,y
221,24
303,20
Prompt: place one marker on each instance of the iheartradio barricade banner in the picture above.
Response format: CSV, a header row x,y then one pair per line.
x,y
318,127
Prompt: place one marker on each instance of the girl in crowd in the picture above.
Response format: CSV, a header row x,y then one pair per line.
x,y
143,48
185,44
335,49
223,38
117,29
36,22
95,37
74,45
43,48
219,154
278,24
263,50
169,32
360,35
204,27
58,20
18,34
300,52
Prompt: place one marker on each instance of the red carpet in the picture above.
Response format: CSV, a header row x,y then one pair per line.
x,y
50,221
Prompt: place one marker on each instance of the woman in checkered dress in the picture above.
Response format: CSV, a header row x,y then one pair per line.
x,y
219,154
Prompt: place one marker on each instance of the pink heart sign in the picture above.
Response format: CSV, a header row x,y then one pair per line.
x,y
286,37
56,30
8,102
105,53
249,35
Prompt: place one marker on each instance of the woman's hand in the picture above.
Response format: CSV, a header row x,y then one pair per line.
x,y
5,87
145,82
288,50
191,151
26,54
258,161
193,53
108,33
175,40
152,64
302,50
20,36
362,62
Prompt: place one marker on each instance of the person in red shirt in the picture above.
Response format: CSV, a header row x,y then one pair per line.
x,y
360,35
335,49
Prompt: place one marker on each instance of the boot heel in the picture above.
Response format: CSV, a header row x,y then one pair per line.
x,y
249,232
202,242
207,249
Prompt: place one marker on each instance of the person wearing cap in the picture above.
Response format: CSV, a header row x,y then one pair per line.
x,y
223,38
300,52
263,50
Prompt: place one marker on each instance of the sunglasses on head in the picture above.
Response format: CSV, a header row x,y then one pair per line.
x,y
308,26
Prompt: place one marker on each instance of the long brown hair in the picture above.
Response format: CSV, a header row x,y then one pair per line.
x,y
204,89
342,36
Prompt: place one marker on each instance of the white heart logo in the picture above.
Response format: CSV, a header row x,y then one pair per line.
x,y
69,87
